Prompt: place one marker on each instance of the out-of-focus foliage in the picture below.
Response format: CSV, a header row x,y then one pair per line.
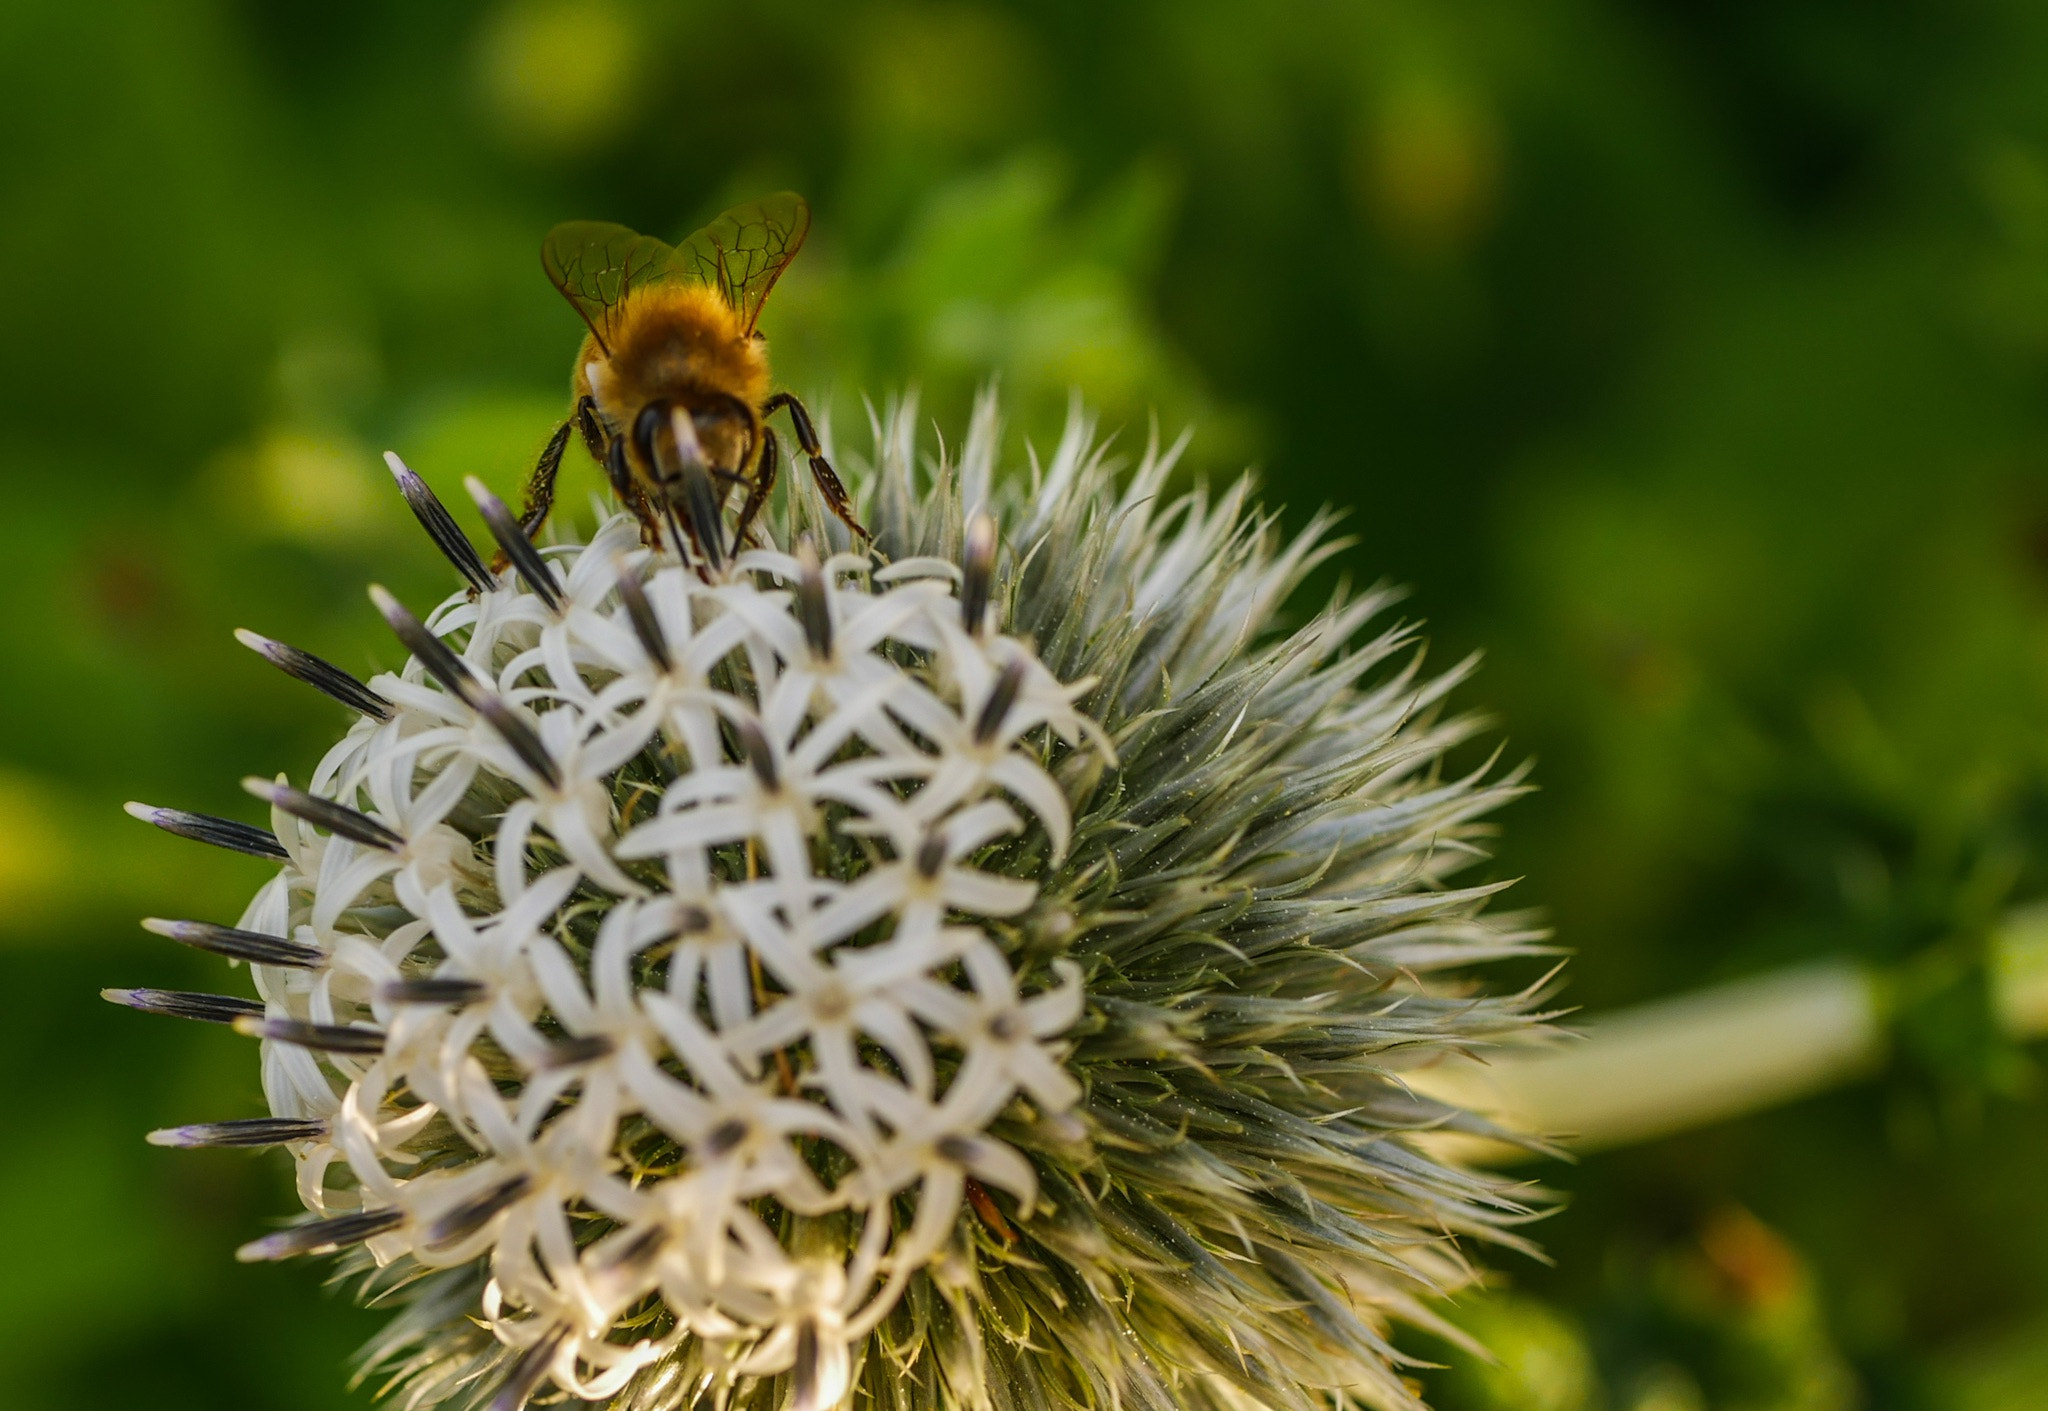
x,y
1725,1315
1692,358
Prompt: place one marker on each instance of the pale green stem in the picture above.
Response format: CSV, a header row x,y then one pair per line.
x,y
1675,1064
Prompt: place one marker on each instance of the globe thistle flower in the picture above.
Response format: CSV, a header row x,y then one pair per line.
x,y
973,972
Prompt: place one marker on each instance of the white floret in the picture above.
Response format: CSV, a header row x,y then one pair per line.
x,y
736,950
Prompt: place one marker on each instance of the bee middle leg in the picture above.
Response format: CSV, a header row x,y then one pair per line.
x,y
836,498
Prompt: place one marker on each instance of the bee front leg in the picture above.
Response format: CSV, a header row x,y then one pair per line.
x,y
620,474
588,422
653,509
836,498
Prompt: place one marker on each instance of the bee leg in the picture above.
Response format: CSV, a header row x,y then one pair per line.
x,y
540,487
630,495
586,419
829,486
619,473
647,429
765,471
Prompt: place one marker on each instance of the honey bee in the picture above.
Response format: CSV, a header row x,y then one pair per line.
x,y
672,390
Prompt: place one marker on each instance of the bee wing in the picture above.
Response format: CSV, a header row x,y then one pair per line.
x,y
596,264
745,251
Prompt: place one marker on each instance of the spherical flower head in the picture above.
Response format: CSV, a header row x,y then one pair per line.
x,y
974,969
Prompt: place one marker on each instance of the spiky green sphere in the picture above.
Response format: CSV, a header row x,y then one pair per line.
x,y
975,973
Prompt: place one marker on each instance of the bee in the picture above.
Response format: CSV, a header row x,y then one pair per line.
x,y
671,386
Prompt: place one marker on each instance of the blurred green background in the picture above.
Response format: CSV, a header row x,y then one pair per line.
x,y
1690,357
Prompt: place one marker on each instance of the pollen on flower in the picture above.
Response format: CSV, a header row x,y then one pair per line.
x,y
800,976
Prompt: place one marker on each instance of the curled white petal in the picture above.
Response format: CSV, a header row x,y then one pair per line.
x,y
731,941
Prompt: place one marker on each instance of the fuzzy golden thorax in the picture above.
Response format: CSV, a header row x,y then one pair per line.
x,y
683,344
